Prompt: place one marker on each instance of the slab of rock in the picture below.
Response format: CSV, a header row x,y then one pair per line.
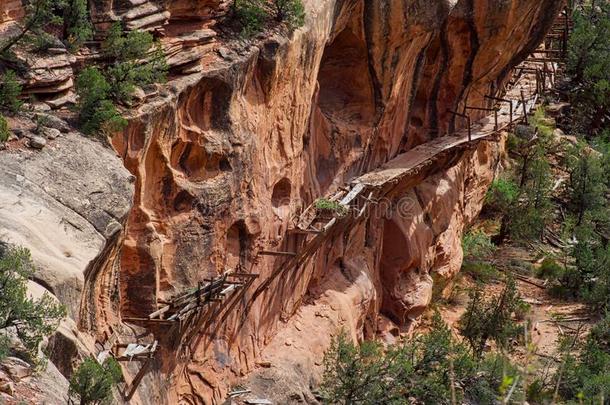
x,y
16,369
63,203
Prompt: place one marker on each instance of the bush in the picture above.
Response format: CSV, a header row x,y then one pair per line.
x,y
137,62
33,319
77,26
586,376
587,187
417,368
326,206
4,131
589,66
42,42
487,319
10,90
38,13
250,15
480,271
92,383
362,374
502,195
426,369
550,269
477,244
290,11
97,114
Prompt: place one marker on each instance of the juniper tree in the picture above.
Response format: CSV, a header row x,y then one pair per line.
x,y
10,90
589,66
92,382
38,13
31,318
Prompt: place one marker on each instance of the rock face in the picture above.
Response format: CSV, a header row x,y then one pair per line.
x,y
64,203
230,152
227,159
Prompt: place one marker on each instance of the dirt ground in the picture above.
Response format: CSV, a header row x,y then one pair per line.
x,y
550,319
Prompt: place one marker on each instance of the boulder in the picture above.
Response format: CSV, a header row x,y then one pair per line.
x,y
16,368
37,142
52,121
51,133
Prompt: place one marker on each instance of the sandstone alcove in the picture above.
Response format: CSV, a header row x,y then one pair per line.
x,y
237,244
346,89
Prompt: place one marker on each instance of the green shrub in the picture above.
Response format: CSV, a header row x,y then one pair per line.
x,y
487,319
326,206
33,319
425,369
41,42
550,269
586,376
362,374
92,383
78,28
251,16
4,131
290,11
97,114
589,66
415,368
476,244
495,375
513,143
137,60
587,187
480,271
502,195
10,90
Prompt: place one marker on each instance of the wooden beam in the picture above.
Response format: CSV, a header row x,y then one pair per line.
x,y
145,320
276,253
138,378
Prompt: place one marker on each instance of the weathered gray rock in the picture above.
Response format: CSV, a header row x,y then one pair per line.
x,y
16,369
524,131
37,142
63,203
52,133
52,121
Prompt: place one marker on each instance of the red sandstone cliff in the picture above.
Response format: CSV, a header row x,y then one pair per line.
x,y
246,135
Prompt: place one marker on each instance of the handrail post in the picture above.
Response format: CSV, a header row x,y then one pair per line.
x,y
495,120
524,108
469,128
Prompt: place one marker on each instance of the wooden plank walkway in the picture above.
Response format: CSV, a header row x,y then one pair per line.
x,y
403,165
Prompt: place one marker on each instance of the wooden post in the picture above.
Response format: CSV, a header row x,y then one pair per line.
x,y
524,108
566,29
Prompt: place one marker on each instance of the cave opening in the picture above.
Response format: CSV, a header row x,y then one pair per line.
x,y
238,242
346,89
280,197
395,258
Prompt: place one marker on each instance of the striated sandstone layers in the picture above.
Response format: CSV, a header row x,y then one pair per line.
x,y
225,158
228,157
